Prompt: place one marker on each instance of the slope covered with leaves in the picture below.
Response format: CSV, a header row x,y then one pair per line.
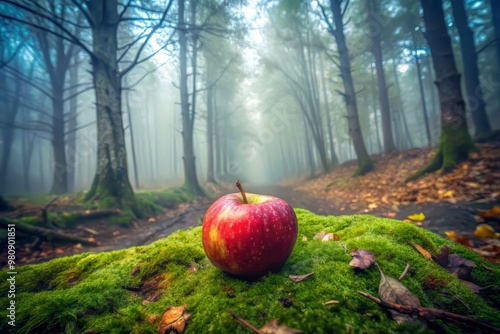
x,y
128,291
477,179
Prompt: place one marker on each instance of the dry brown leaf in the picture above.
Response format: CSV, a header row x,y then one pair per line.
x,y
491,214
393,291
425,253
362,259
372,206
174,320
485,231
391,214
299,278
304,238
272,327
151,219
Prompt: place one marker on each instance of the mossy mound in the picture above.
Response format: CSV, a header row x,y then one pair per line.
x,y
106,292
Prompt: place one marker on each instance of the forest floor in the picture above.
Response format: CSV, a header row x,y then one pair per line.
x,y
452,205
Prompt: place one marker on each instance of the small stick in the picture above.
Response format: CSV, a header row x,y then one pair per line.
x,y
238,184
430,313
246,323
405,272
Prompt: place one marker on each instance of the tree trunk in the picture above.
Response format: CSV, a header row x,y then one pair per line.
x,y
421,87
374,104
495,13
475,99
111,184
8,116
455,142
333,156
400,98
132,140
190,177
381,82
60,179
72,124
365,164
210,131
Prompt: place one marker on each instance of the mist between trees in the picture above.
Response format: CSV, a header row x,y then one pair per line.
x,y
110,96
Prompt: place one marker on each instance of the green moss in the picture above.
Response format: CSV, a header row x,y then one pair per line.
x,y
167,198
88,291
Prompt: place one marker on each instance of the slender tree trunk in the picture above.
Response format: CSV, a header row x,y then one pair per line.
x,y
365,164
111,180
71,148
60,178
381,82
374,106
132,140
401,103
8,116
190,177
333,156
475,99
455,142
210,131
421,87
495,13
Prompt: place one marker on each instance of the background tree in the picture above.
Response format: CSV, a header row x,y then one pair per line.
x,y
455,141
336,28
475,99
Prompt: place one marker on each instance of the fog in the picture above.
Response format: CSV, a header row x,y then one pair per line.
x,y
270,101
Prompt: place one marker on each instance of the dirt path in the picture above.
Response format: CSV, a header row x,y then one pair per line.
x,y
440,217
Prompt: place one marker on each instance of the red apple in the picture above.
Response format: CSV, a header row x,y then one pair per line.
x,y
249,235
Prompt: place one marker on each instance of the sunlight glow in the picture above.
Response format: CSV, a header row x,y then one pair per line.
x,y
403,68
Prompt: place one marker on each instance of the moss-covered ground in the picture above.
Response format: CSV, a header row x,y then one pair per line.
x,y
103,292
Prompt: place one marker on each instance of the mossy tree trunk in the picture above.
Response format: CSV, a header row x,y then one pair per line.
x,y
188,113
455,141
475,99
365,163
111,184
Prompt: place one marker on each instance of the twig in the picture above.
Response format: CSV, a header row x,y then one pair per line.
x,y
405,272
430,313
244,322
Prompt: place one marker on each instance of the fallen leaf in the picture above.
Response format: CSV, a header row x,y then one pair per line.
x,y
331,236
491,214
442,257
393,291
391,214
460,267
174,320
372,206
474,287
272,327
361,259
299,278
304,238
417,217
464,241
425,253
485,231
151,219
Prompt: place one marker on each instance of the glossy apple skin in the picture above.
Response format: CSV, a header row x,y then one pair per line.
x,y
249,240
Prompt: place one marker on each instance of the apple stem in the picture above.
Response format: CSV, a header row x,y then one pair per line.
x,y
238,184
